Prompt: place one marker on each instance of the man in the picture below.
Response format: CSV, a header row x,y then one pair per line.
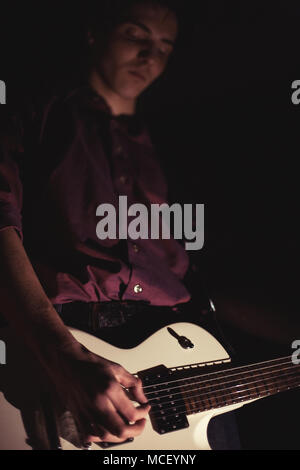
x,y
81,150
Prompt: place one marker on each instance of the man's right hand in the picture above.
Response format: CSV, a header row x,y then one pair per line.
x,y
90,387
98,393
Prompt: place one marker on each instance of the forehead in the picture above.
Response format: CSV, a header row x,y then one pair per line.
x,y
159,19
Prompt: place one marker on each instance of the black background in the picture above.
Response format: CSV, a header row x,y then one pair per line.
x,y
228,135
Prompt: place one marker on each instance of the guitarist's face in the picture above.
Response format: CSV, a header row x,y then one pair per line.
x,y
137,50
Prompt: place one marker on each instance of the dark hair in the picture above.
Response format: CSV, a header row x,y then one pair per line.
x,y
104,15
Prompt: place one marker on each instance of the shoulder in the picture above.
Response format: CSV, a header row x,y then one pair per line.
x,y
27,113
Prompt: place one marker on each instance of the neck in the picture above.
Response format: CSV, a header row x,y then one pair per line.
x,y
117,104
193,391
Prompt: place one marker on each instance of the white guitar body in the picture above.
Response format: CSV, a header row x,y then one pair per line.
x,y
160,348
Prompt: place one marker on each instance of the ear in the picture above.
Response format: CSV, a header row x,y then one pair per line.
x,y
90,38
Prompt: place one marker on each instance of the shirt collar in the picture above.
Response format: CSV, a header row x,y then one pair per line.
x,y
88,97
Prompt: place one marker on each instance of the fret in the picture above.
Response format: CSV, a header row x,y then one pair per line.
x,y
234,389
245,375
192,404
276,380
225,390
266,384
217,396
289,373
188,392
255,384
280,379
207,402
226,387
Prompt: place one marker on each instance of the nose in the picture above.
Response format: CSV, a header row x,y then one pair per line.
x,y
148,54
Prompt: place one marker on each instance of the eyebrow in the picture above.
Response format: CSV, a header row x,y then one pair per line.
x,y
147,30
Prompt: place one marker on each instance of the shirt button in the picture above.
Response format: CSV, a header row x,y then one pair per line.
x,y
138,289
123,179
136,248
119,149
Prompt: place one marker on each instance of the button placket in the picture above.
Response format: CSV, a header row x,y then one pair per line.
x,y
135,248
118,149
123,179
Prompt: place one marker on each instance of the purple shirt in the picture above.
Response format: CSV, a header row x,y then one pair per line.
x,y
70,156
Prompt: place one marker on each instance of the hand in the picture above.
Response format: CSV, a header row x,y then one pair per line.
x,y
94,390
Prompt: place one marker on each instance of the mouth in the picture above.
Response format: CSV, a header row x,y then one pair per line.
x,y
138,75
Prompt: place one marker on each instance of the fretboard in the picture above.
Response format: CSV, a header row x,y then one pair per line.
x,y
192,390
239,384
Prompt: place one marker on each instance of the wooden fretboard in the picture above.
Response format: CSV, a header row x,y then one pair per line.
x,y
235,385
188,390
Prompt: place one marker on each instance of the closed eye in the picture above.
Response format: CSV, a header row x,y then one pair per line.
x,y
135,34
165,51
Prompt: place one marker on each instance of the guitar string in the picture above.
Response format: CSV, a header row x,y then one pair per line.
x,y
210,385
206,408
239,398
209,374
169,385
210,382
213,394
214,380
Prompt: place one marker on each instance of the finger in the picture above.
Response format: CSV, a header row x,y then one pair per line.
x,y
138,393
112,418
96,434
107,416
125,407
128,432
85,431
130,393
105,437
101,435
133,383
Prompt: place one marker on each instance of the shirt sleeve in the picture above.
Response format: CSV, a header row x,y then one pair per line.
x,y
11,189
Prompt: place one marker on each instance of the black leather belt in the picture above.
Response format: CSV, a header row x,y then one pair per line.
x,y
93,316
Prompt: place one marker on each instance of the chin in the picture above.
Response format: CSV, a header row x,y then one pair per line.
x,y
130,90
131,93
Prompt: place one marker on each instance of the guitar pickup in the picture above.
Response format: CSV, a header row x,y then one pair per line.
x,y
166,415
165,424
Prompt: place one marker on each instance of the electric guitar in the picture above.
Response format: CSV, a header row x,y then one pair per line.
x,y
187,377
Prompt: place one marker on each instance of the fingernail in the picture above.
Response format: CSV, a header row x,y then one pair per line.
x,y
87,445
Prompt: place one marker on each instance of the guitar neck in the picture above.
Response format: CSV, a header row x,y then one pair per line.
x,y
190,391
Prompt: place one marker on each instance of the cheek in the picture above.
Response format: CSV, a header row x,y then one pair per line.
x,y
159,68
122,53
115,61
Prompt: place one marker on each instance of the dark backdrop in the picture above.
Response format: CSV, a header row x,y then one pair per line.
x,y
228,135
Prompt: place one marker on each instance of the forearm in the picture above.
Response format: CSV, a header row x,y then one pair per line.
x,y
24,303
